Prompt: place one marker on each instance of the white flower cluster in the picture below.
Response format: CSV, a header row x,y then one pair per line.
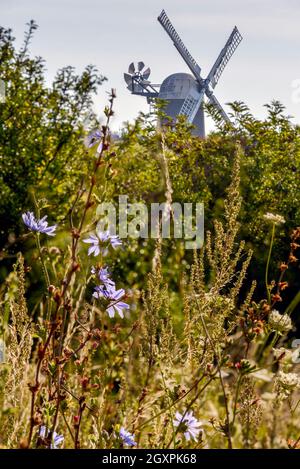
x,y
288,381
285,384
280,322
274,218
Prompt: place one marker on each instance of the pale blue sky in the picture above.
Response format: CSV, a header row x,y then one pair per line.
x,y
111,34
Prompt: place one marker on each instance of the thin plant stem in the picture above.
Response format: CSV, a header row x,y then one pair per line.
x,y
195,385
239,382
45,272
268,264
67,425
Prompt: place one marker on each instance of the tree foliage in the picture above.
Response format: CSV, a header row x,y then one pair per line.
x,y
40,128
200,171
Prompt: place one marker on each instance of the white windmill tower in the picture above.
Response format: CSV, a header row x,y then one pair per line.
x,y
184,92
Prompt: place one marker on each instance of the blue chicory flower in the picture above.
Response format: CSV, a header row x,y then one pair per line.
x,y
114,296
56,438
189,425
40,226
103,275
94,249
93,138
128,438
100,241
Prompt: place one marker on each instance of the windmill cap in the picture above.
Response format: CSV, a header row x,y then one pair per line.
x,y
177,86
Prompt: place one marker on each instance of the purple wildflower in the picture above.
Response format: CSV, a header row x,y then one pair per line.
x,y
99,148
104,276
115,241
94,249
114,296
41,226
93,138
128,438
56,438
100,242
188,424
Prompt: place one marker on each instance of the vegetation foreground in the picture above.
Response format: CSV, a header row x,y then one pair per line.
x,y
118,343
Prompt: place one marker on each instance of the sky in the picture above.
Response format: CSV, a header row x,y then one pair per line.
x,y
111,34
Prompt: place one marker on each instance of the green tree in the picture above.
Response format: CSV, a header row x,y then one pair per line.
x,y
200,171
41,129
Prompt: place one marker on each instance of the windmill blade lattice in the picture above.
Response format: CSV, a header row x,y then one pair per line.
x,y
226,53
191,105
178,43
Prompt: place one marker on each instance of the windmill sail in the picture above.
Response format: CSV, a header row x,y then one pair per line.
x,y
214,102
191,105
224,57
185,54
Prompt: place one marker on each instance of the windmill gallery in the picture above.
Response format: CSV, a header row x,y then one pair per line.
x,y
184,93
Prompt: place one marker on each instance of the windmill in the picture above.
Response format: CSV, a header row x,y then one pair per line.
x,y
184,92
